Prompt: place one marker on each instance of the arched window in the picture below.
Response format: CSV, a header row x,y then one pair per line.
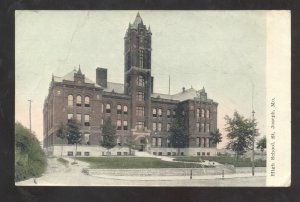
x,y
202,112
70,100
198,113
125,109
119,125
141,58
119,109
108,108
154,113
207,114
159,112
125,125
140,81
87,101
78,100
168,113
87,120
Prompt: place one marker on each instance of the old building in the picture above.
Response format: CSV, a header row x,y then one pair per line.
x,y
134,108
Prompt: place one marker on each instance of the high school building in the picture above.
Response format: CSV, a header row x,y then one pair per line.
x,y
134,108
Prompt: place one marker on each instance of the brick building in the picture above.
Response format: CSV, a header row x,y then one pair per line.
x,y
133,106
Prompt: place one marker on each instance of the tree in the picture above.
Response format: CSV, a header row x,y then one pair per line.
x,y
109,134
73,134
30,160
62,134
216,137
240,131
131,143
262,144
178,137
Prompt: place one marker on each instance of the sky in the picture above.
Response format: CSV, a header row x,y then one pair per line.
x,y
224,51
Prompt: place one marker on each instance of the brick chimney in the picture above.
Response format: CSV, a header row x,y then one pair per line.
x,y
101,77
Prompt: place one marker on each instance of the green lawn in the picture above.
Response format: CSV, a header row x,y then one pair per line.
x,y
223,160
133,163
63,161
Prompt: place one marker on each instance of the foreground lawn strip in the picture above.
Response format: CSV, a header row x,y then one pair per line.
x,y
223,160
63,161
134,163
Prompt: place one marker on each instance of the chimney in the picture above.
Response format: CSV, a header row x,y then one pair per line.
x,y
101,77
183,89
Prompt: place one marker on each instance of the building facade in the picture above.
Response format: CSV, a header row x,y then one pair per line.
x,y
133,107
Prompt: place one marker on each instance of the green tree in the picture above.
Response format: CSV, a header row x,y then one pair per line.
x,y
73,134
62,134
109,134
131,143
178,137
30,160
216,137
262,144
240,131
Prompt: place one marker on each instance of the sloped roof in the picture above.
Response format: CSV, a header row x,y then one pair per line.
x,y
70,77
137,21
116,87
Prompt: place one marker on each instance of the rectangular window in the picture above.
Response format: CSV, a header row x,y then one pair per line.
x,y
154,126
108,108
125,153
168,127
198,113
119,125
159,142
202,127
87,101
87,120
198,142
86,153
78,153
125,110
119,153
153,141
70,153
159,153
168,113
203,153
169,153
139,111
78,117
70,116
140,96
154,153
141,58
140,125
159,127
207,127
208,153
125,125
168,143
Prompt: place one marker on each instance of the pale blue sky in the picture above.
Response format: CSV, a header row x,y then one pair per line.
x,y
224,51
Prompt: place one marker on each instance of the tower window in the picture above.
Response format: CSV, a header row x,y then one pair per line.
x,y
87,101
70,100
141,58
140,80
78,101
139,111
108,108
140,96
119,109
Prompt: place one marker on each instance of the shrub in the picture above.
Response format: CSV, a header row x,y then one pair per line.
x,y
30,159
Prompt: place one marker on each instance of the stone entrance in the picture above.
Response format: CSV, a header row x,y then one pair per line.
x,y
143,140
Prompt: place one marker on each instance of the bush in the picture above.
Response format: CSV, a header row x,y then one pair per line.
x,y
30,159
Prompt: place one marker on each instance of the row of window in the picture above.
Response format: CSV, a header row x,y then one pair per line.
x,y
158,113
158,126
202,142
78,101
119,109
203,127
78,118
119,125
201,113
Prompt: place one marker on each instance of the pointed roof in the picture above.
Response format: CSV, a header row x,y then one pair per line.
x,y
79,70
138,20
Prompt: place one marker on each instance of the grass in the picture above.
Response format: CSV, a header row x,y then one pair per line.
x,y
224,159
133,163
63,161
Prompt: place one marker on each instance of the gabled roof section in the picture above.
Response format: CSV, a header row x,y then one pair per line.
x,y
70,77
114,87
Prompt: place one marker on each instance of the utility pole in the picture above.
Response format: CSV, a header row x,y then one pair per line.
x,y
253,142
30,113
